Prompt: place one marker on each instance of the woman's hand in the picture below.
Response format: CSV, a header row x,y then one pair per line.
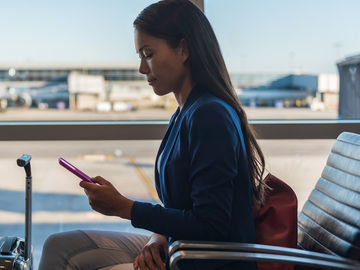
x,y
105,199
152,254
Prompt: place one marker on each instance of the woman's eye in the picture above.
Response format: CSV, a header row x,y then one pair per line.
x,y
146,54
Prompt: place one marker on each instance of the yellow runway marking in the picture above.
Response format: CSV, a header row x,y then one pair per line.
x,y
96,157
145,180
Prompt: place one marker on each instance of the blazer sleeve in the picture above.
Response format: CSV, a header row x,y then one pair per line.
x,y
213,147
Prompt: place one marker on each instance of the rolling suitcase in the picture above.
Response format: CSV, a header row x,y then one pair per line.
x,y
16,253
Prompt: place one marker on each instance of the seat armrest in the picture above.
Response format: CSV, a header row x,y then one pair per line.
x,y
244,251
232,256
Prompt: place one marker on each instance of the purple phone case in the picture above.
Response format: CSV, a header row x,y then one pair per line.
x,y
74,170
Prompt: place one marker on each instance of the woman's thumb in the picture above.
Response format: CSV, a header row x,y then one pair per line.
x,y
99,180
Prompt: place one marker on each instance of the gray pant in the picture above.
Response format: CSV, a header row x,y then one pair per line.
x,y
91,250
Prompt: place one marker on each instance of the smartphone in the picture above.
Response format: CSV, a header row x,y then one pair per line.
x,y
74,170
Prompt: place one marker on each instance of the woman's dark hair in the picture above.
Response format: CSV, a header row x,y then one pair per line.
x,y
174,20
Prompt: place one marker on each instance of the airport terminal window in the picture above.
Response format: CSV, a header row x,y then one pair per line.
x,y
284,60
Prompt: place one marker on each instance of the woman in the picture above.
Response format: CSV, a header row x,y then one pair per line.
x,y
207,176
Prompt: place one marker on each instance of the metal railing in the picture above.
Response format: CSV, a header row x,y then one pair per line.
x,y
154,130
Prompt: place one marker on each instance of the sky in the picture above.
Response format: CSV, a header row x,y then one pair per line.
x,y
256,36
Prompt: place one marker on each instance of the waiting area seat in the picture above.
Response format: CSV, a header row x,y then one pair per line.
x,y
328,225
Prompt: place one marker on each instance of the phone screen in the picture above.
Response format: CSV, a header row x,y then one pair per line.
x,y
67,165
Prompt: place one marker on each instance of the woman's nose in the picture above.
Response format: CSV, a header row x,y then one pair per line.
x,y
143,69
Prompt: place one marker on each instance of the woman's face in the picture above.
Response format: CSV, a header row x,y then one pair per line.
x,y
163,66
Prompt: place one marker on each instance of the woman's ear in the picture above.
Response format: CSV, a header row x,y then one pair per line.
x,y
183,49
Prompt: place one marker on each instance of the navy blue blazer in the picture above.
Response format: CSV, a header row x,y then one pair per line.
x,y
203,182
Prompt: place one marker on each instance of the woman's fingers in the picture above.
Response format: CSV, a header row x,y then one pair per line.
x,y
157,258
85,185
142,264
100,180
151,256
106,199
136,264
149,259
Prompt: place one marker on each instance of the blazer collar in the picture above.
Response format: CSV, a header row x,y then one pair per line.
x,y
170,139
195,93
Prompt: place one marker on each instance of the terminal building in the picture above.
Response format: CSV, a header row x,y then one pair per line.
x,y
120,86
90,86
317,91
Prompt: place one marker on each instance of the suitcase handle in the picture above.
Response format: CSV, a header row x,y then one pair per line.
x,y
24,161
8,246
